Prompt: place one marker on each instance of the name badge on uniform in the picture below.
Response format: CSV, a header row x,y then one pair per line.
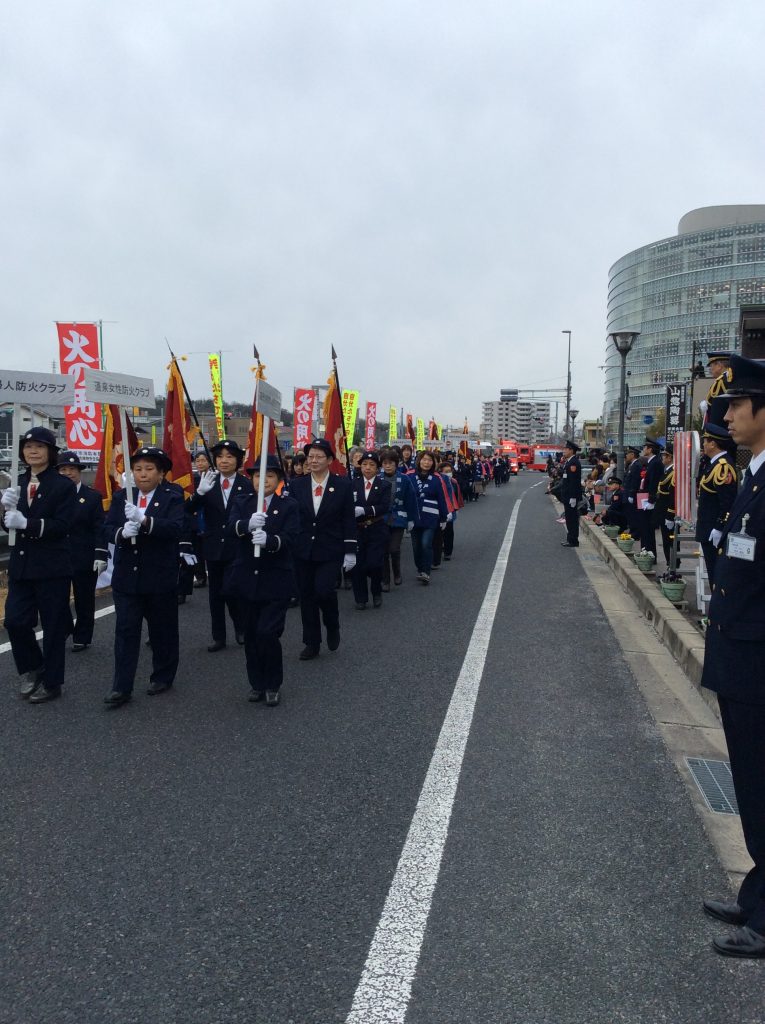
x,y
741,545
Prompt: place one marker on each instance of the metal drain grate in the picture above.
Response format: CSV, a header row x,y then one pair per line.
x,y
715,782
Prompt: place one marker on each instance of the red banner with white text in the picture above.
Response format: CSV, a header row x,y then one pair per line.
x,y
305,400
78,350
370,439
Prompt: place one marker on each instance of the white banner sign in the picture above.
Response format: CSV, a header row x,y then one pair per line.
x,y
269,401
22,388
119,389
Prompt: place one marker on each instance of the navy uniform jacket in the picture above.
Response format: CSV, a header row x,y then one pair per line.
x,y
217,545
331,534
150,566
665,497
86,530
269,577
650,479
42,550
372,526
718,487
632,480
735,637
572,480
616,511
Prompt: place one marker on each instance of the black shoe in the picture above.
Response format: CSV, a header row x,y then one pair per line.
x,y
333,639
216,645
30,684
565,544
361,606
424,578
200,583
376,601
447,558
240,639
308,653
722,910
398,580
76,648
44,695
155,688
386,588
272,698
255,696
743,942
116,698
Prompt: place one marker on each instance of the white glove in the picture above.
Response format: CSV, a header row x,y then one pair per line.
x,y
410,525
442,525
348,562
14,520
189,559
206,482
648,507
133,513
359,511
572,502
99,566
669,524
715,537
631,501
257,521
10,498
703,406
449,517
260,537
131,529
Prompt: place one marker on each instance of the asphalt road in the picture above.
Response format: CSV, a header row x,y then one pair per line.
x,y
194,858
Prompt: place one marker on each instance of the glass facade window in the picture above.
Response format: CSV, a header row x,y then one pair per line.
x,y
683,294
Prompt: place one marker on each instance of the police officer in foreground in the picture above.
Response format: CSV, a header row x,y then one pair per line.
x,y
735,656
84,535
571,493
633,467
41,510
650,478
718,487
664,513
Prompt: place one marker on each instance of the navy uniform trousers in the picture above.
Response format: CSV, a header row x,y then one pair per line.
x,y
161,614
49,598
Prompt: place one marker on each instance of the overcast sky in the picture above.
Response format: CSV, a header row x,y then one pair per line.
x,y
437,189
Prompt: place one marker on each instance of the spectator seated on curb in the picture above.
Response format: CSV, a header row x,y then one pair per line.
x,y
615,514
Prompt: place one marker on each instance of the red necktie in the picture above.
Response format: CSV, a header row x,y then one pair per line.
x,y
142,501
265,505
319,491
226,484
32,491
368,486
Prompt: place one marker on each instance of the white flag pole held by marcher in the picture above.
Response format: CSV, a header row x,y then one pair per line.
x,y
268,402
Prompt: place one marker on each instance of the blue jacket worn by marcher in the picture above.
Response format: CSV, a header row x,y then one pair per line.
x,y
431,500
217,544
270,576
42,550
403,508
86,529
330,533
372,528
150,566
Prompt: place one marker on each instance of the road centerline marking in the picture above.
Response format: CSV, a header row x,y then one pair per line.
x,y
385,988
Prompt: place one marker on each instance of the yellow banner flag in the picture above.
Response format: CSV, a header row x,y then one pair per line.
x,y
420,434
217,394
392,426
350,410
440,428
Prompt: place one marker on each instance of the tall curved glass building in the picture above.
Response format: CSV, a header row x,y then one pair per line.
x,y
683,294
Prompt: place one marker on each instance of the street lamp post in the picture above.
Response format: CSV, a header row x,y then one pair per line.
x,y
574,413
568,380
623,342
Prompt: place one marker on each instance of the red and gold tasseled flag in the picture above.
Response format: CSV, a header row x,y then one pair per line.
x,y
432,430
111,463
179,433
464,449
333,426
255,434
410,428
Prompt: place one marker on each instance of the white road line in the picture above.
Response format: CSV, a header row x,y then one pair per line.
x,y
385,988
4,648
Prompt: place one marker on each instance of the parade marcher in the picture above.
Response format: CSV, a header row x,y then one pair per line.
x,y
433,513
715,405
439,536
326,542
718,487
84,536
146,533
735,655
407,457
633,466
372,502
571,493
201,465
354,457
447,473
213,497
263,585
404,514
664,513
41,509
650,477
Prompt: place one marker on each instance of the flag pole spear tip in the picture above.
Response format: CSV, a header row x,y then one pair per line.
x,y
255,353
334,354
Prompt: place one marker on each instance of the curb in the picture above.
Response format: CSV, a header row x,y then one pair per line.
x,y
684,641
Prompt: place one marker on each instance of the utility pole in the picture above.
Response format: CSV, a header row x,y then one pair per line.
x,y
568,380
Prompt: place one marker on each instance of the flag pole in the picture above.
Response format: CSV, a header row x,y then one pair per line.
x,y
342,417
191,405
276,437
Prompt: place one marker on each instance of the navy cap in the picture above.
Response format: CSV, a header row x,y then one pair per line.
x,y
70,459
571,444
158,455
41,435
669,449
370,455
634,450
747,377
272,462
719,435
227,445
651,442
712,356
322,444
